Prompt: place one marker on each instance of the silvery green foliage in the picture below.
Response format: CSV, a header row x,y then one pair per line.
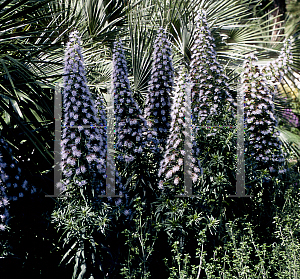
x,y
262,141
210,91
131,126
83,149
158,101
171,171
12,186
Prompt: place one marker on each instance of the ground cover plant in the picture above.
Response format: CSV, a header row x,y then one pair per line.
x,y
149,135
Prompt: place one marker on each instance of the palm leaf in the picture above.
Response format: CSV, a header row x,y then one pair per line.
x,y
141,43
26,29
291,142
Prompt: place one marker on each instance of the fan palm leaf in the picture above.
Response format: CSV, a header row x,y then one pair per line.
x,y
31,33
141,42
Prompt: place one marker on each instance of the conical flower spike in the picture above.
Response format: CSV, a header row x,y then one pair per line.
x,y
130,124
158,102
83,148
171,169
276,70
211,99
262,143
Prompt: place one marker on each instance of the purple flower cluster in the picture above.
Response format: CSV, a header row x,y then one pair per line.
x,y
262,141
210,90
158,101
12,186
171,169
130,124
83,149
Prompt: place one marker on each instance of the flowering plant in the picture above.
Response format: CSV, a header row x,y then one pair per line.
x,y
83,149
210,89
131,126
172,166
262,144
81,213
212,113
158,101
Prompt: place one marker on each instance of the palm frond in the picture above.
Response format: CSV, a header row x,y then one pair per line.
x,y
26,65
141,43
291,143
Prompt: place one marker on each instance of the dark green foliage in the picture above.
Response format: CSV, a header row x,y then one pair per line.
x,y
146,234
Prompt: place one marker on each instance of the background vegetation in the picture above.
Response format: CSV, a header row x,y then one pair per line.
x,y
160,237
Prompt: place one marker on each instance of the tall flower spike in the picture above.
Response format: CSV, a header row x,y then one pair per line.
x,y
158,102
130,124
83,149
276,70
171,169
12,186
262,144
210,91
